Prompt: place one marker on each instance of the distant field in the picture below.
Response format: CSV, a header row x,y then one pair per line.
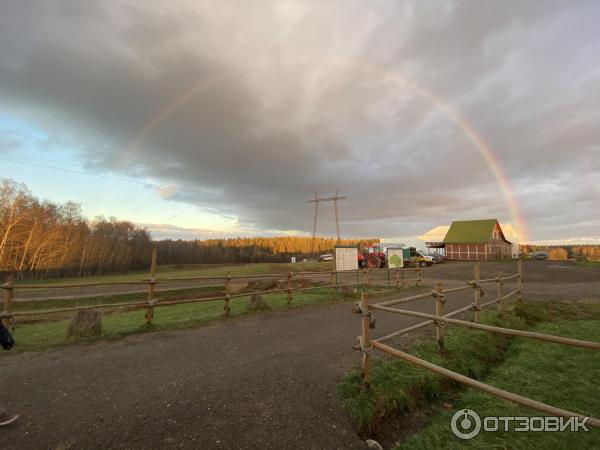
x,y
170,271
37,305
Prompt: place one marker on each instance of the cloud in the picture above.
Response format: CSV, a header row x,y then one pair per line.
x,y
166,191
250,107
168,231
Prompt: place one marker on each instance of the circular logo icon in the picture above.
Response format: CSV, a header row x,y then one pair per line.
x,y
465,424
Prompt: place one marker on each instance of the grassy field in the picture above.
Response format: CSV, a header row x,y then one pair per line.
x,y
41,336
558,375
167,272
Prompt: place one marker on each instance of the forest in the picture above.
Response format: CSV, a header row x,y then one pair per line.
x,y
41,239
248,249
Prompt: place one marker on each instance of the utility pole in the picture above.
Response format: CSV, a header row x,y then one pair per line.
x,y
318,200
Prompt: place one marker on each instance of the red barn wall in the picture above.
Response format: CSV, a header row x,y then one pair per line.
x,y
495,249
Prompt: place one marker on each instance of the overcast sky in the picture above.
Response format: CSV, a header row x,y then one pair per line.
x,y
233,113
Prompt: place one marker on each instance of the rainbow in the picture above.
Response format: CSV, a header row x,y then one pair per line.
x,y
450,113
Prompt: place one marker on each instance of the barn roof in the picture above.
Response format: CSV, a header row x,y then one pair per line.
x,y
470,231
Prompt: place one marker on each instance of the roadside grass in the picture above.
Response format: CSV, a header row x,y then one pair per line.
x,y
42,336
588,263
555,374
166,272
559,375
398,387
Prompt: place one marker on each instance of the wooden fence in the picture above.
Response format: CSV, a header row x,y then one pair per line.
x,y
398,278
440,319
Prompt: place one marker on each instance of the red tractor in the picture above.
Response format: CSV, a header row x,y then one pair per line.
x,y
373,257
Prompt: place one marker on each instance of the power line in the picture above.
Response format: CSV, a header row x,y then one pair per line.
x,y
88,173
75,147
81,172
53,161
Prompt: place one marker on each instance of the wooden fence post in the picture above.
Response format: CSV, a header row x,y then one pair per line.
x,y
332,282
388,273
370,281
289,288
150,310
477,292
418,272
499,295
9,322
520,280
439,311
226,307
366,362
405,284
365,280
397,278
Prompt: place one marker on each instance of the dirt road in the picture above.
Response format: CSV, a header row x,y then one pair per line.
x,y
263,381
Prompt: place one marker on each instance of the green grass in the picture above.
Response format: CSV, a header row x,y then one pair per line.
x,y
41,336
558,375
170,271
588,263
399,386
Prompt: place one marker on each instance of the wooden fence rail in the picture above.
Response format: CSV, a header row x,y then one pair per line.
x,y
156,281
374,276
439,319
493,329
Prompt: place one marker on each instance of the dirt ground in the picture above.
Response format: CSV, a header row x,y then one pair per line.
x,y
262,381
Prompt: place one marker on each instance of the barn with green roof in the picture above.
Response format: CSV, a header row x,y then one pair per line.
x,y
476,240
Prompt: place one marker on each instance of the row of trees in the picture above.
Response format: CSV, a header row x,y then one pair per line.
x,y
563,252
41,239
248,250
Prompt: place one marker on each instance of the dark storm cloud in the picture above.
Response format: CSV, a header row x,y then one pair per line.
x,y
288,98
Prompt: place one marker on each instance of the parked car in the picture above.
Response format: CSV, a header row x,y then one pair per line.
x,y
423,259
539,255
326,257
438,258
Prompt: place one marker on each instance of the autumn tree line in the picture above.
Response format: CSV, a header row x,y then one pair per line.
x,y
564,252
41,239
248,249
